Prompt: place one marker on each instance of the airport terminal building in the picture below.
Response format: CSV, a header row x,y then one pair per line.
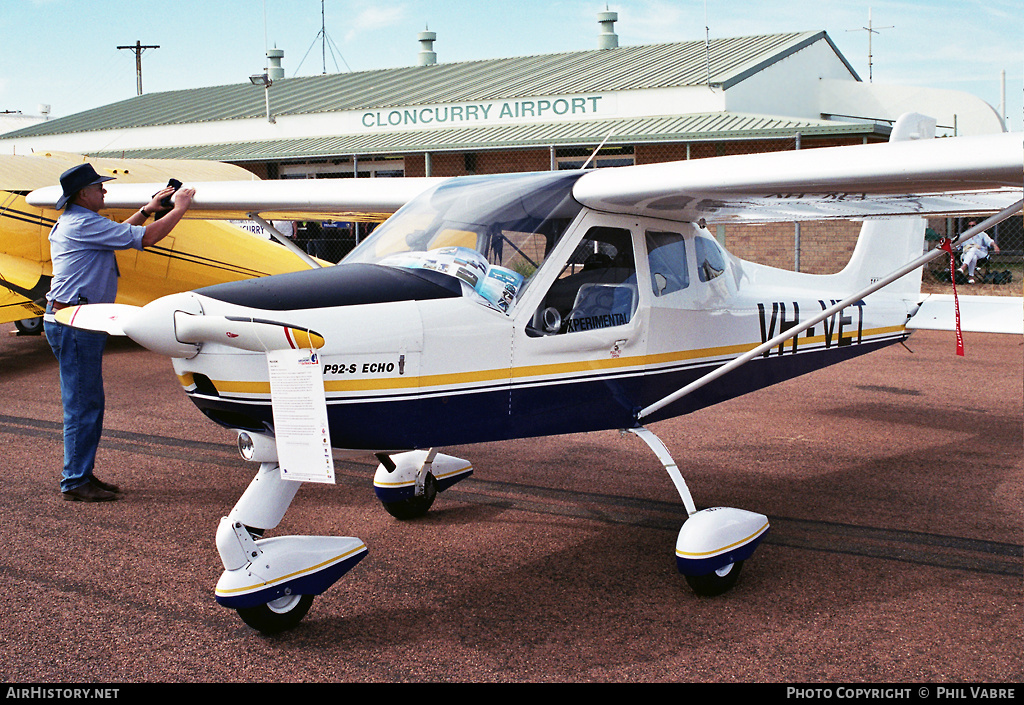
x,y
641,104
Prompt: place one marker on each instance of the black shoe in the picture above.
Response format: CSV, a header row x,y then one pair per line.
x,y
88,493
104,485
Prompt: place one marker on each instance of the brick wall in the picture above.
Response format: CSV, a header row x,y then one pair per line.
x,y
464,163
825,246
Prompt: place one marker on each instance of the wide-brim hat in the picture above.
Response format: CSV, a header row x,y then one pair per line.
x,y
77,178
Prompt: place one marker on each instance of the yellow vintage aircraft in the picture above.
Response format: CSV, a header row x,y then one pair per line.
x,y
197,253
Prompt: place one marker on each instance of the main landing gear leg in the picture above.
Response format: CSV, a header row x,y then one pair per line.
x,y
271,582
713,543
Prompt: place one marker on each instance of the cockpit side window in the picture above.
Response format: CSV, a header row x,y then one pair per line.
x,y
597,287
710,259
666,255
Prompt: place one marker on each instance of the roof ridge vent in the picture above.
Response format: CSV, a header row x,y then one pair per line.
x,y
274,69
427,55
607,38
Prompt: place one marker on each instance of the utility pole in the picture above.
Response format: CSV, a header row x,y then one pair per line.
x,y
138,48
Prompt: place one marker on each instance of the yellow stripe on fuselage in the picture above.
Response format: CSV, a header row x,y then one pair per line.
x,y
559,369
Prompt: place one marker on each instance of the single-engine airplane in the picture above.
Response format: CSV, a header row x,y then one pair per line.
x,y
196,254
520,305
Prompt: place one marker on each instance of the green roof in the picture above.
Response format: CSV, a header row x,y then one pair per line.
x,y
703,127
622,68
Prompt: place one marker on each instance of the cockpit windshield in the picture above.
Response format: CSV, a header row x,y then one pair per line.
x,y
492,232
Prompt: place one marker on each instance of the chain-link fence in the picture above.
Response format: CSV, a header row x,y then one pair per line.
x,y
815,247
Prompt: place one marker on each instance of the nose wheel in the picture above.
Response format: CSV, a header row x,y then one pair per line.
x,y
271,582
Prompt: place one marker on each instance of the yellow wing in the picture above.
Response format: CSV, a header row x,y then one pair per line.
x,y
27,173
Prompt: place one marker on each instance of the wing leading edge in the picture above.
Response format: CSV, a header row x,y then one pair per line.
x,y
298,199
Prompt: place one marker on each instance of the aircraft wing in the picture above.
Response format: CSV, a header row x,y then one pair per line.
x,y
942,176
297,199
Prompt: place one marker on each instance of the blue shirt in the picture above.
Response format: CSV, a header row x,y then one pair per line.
x,y
82,246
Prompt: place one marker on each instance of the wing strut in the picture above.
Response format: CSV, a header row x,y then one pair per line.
x,y
280,237
591,157
848,301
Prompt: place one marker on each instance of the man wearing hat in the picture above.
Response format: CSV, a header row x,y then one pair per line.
x,y
82,246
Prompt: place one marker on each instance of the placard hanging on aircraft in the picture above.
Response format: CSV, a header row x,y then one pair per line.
x,y
300,416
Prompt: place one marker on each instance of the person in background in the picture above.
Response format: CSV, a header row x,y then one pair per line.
x,y
975,249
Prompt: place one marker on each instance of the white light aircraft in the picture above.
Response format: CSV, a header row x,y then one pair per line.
x,y
520,305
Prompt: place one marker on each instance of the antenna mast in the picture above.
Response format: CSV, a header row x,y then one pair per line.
x,y
325,44
707,43
323,36
870,30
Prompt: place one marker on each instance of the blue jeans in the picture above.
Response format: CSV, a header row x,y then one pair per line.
x,y
80,355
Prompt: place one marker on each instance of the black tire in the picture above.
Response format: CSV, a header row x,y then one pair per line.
x,y
277,616
414,507
717,582
29,326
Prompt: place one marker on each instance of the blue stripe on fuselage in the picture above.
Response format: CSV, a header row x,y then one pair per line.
x,y
529,409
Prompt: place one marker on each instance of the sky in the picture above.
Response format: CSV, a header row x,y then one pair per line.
x,y
64,53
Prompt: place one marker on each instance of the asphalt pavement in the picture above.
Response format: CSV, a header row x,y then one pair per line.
x,y
893,483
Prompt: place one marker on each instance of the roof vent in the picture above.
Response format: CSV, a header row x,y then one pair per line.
x,y
607,39
427,55
274,68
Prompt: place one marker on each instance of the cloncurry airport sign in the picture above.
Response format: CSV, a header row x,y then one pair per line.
x,y
495,112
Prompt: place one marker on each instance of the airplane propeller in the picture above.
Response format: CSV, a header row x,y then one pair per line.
x,y
175,326
102,318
